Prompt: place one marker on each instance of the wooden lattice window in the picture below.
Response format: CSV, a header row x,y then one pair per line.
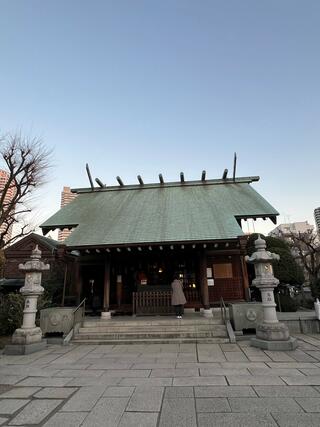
x,y
223,271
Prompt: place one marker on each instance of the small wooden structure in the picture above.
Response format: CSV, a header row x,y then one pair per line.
x,y
128,241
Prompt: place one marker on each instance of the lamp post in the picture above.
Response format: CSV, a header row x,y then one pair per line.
x,y
28,338
270,334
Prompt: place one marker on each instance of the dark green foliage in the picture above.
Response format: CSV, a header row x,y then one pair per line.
x,y
287,303
315,288
11,312
286,270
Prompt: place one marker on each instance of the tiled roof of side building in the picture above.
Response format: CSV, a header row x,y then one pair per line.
x,y
160,213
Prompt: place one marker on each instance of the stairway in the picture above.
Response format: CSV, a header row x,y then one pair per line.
x,y
151,330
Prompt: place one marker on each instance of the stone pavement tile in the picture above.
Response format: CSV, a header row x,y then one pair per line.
x,y
178,413
286,391
185,372
118,391
236,356
193,381
107,364
241,365
11,379
303,380
279,356
44,382
224,391
291,365
296,420
3,420
146,399
194,365
309,404
314,354
155,365
79,373
84,399
310,371
107,412
263,404
258,380
187,348
256,355
139,419
127,373
176,392
92,381
209,372
186,357
10,406
277,372
236,420
229,347
64,366
28,371
212,404
45,359
146,381
55,392
19,392
66,419
301,356
35,412
5,388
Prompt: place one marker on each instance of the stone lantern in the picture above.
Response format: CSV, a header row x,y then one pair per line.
x,y
270,334
28,338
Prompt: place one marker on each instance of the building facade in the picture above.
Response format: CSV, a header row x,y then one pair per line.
x,y
128,241
317,219
66,197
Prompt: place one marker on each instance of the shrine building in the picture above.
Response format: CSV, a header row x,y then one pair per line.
x,y
128,241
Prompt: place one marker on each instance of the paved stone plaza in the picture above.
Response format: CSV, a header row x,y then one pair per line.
x,y
162,385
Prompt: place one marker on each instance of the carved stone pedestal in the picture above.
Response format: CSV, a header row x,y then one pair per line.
x,y
270,333
28,338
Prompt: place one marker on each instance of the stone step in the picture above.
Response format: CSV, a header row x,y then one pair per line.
x,y
216,340
168,322
151,334
179,328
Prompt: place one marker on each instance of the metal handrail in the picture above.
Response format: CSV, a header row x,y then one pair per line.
x,y
223,309
82,303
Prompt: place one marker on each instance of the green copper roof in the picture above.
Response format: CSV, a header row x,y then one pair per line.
x,y
154,213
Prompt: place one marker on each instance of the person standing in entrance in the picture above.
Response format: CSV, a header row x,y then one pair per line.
x,y
178,299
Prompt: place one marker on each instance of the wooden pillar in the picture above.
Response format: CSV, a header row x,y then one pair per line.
x,y
244,270
106,285
78,280
203,280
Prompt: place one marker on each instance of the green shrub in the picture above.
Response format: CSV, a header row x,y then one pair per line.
x,y
11,313
287,303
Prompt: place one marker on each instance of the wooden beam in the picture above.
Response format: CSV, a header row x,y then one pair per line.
x,y
106,285
120,181
89,176
161,178
234,166
203,176
203,280
100,183
140,180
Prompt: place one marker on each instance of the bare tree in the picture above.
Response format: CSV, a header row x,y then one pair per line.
x,y
306,248
26,161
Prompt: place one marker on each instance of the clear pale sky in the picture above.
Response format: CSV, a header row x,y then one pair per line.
x,y
147,86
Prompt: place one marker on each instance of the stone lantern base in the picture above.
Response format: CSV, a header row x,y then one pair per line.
x,y
26,341
273,337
